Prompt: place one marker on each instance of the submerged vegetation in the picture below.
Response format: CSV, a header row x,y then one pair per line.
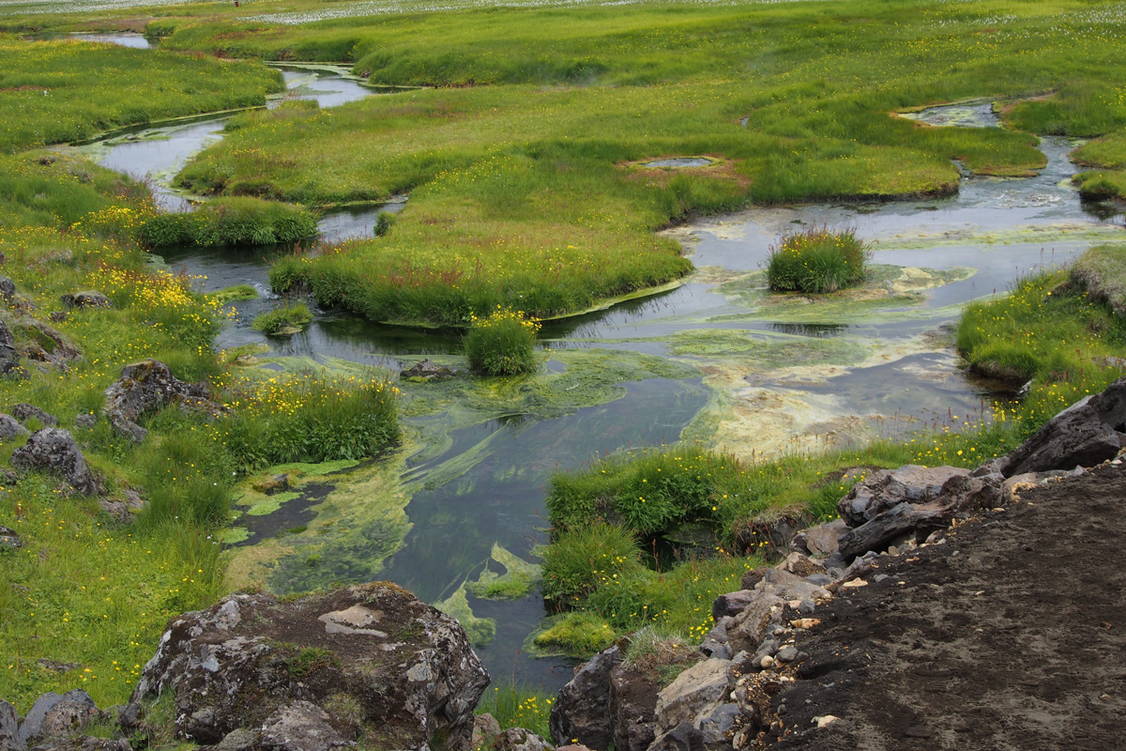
x,y
816,260
231,221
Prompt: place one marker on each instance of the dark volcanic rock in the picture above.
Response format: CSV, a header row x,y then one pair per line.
x,y
146,386
388,670
9,540
886,488
9,355
1085,434
57,715
54,450
425,370
10,428
86,299
24,412
9,728
582,709
1010,644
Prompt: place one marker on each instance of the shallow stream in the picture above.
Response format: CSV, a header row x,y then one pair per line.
x,y
717,360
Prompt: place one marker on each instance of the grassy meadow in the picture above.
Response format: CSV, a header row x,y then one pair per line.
x,y
530,147
526,156
47,89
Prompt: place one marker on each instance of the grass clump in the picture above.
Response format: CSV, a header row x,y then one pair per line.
x,y
502,343
516,706
817,261
579,560
233,222
283,321
1101,271
577,633
308,418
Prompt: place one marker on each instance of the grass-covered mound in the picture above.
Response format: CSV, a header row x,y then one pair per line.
x,y
502,343
817,260
55,91
231,221
56,190
1107,157
283,321
1101,272
1047,328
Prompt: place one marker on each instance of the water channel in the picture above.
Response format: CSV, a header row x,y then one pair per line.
x,y
716,360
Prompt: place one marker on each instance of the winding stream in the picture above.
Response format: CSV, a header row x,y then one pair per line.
x,y
716,360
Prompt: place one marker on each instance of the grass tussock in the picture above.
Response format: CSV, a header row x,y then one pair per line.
x,y
817,260
287,320
231,222
502,343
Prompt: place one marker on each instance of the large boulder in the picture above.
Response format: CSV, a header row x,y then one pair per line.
x,y
86,299
57,716
1088,432
54,450
24,412
10,428
886,488
386,670
694,694
581,711
147,386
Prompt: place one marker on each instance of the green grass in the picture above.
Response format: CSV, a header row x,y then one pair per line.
x,y
85,589
817,260
516,706
502,343
536,169
46,89
1043,330
285,320
1101,271
44,188
577,633
231,222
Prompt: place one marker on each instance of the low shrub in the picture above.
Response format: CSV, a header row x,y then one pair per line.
x,y
502,343
287,320
817,260
231,221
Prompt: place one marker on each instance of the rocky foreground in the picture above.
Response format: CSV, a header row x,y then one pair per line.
x,y
945,609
